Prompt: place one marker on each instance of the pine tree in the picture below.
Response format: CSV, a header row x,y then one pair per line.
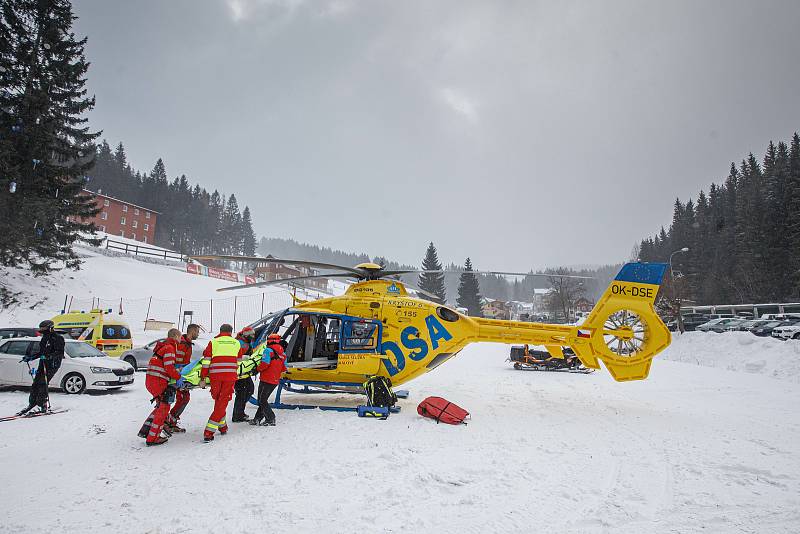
x,y
248,236
155,194
469,296
432,282
46,147
232,226
793,214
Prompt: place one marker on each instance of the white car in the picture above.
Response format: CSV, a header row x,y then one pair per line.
x,y
791,331
83,368
717,325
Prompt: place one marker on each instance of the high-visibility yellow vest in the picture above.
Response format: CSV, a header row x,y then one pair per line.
x,y
225,346
223,363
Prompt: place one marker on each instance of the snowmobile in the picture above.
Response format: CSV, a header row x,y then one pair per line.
x,y
541,360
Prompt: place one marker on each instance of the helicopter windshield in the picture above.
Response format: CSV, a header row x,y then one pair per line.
x,y
266,325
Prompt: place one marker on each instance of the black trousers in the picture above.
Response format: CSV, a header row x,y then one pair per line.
x,y
243,390
38,395
264,409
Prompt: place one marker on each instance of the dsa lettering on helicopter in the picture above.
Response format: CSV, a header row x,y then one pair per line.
x,y
417,345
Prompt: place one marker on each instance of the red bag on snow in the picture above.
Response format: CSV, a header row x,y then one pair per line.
x,y
442,411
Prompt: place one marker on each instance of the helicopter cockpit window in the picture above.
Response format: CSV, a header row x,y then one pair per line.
x,y
359,335
447,314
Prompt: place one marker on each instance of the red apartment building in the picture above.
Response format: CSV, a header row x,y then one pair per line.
x,y
124,219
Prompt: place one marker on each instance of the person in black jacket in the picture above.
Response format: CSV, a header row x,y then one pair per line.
x,y
50,355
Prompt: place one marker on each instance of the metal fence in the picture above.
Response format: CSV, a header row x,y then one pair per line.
x,y
209,314
141,250
756,309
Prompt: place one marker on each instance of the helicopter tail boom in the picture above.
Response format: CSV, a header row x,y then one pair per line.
x,y
623,330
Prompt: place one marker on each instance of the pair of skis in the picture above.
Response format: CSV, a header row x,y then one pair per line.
x,y
31,415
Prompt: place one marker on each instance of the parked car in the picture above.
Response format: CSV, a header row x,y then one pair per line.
x,y
781,316
750,325
735,324
787,331
139,358
84,367
716,325
712,316
766,330
7,333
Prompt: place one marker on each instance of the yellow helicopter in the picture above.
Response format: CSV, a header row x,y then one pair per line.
x,y
376,328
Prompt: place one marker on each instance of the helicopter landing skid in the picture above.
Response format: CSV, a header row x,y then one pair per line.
x,y
310,387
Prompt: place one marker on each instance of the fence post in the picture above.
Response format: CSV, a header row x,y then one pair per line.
x,y
65,303
211,326
235,300
147,315
262,304
180,309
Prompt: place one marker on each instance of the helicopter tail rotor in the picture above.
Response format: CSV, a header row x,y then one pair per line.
x,y
624,330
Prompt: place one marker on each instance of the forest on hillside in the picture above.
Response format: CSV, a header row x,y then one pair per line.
x,y
191,220
743,235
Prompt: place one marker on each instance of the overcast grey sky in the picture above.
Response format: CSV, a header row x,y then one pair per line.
x,y
523,134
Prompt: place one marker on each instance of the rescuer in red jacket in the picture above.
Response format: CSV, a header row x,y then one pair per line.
x,y
271,367
183,356
220,365
160,370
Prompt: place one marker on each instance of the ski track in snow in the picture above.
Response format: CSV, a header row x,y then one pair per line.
x,y
710,442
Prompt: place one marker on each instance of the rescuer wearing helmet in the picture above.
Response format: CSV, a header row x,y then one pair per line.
x,y
50,355
160,372
271,366
220,363
244,385
183,356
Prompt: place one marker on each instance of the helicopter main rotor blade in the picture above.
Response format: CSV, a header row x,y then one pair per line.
x,y
501,273
288,280
259,259
422,292
548,275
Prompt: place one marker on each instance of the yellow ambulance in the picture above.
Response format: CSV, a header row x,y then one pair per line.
x,y
99,328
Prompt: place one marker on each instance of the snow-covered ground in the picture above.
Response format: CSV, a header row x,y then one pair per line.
x,y
692,448
711,442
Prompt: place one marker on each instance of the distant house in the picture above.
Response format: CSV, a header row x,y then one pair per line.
x,y
583,305
496,309
280,271
123,218
540,301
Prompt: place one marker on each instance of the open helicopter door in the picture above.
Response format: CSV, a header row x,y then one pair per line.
x,y
358,346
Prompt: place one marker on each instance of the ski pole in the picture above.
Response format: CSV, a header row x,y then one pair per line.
x,y
46,385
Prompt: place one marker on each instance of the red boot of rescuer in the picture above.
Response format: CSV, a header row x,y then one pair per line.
x,y
160,370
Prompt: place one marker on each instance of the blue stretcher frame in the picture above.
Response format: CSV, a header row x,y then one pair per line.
x,y
285,384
